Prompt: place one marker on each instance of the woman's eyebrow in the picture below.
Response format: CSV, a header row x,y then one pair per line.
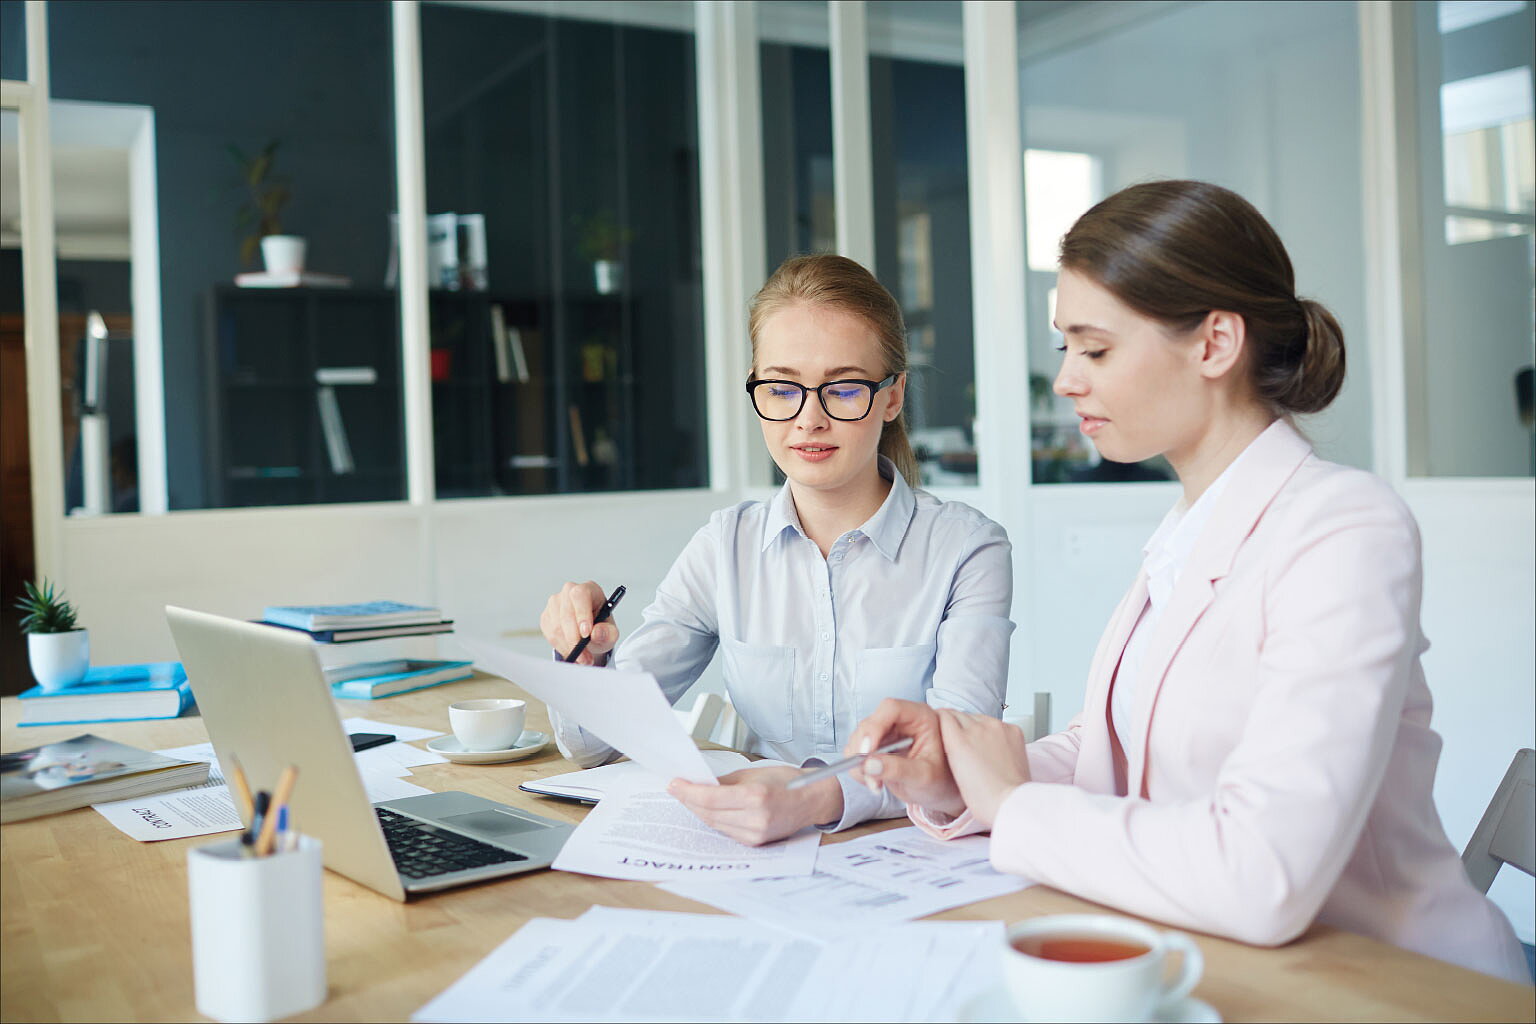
x,y
836,371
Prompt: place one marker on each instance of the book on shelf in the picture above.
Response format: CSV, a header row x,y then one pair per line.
x,y
499,346
370,679
291,279
112,693
337,447
351,616
342,636
86,770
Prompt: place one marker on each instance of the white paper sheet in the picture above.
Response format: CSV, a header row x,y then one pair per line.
x,y
647,834
630,965
208,809
402,733
592,783
627,710
875,880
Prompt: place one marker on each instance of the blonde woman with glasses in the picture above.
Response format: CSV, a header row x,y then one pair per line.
x,y
848,587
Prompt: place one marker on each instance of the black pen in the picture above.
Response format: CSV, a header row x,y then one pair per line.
x,y
602,615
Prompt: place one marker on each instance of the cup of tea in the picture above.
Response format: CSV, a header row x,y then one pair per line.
x,y
1095,967
483,725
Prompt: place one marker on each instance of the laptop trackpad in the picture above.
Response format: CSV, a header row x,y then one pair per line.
x,y
492,823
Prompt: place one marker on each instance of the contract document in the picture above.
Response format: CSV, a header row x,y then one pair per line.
x,y
647,835
633,965
874,880
626,710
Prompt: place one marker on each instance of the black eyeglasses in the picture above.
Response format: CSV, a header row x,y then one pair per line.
x,y
847,400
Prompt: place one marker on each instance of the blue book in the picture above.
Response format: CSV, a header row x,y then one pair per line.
x,y
373,679
112,693
368,614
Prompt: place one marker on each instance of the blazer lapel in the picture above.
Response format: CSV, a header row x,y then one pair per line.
x,y
1267,464
1096,770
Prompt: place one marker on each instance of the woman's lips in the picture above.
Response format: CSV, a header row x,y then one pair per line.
x,y
1091,424
814,453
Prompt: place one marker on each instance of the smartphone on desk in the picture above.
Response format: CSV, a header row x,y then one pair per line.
x,y
364,740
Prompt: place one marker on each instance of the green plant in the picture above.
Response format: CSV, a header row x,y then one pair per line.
x,y
266,193
45,610
601,236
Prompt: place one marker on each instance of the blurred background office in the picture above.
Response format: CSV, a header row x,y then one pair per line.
x,y
532,230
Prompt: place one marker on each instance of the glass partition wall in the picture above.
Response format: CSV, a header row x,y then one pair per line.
x,y
567,346
1263,98
566,309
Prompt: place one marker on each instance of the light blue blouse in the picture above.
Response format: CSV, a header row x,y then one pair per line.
x,y
913,604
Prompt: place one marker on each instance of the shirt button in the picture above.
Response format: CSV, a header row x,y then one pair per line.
x,y
826,636
823,677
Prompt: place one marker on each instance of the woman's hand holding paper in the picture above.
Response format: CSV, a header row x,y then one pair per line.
x,y
753,807
568,616
921,775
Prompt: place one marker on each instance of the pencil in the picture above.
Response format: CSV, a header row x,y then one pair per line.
x,y
242,791
279,801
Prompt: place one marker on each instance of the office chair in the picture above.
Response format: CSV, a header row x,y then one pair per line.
x,y
1507,832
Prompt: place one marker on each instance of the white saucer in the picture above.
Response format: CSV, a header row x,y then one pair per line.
x,y
449,746
995,1004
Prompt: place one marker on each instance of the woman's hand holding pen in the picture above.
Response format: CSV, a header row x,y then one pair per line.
x,y
753,807
570,615
987,759
921,775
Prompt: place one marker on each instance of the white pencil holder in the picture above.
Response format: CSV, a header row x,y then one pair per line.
x,y
258,931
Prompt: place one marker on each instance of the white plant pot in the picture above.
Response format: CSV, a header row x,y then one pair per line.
x,y
607,276
283,254
59,659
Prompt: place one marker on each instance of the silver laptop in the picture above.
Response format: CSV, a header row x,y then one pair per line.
x,y
265,701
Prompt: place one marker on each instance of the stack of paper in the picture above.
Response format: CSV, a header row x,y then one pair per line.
x,y
635,965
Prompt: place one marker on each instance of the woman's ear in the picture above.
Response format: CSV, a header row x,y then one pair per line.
x,y
1222,336
898,393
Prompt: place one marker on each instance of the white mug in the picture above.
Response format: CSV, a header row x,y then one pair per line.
x,y
482,725
1094,967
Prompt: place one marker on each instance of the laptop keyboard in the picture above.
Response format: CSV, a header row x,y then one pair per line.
x,y
422,850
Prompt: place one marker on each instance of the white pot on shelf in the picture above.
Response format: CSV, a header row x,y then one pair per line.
x,y
59,659
283,254
607,276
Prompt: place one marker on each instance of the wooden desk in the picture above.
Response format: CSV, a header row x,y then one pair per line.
x,y
95,924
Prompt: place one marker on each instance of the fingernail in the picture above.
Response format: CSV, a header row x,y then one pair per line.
x,y
868,745
586,629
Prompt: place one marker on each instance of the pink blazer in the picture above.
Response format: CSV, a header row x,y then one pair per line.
x,y
1288,756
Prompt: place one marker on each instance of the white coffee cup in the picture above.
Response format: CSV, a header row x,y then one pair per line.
x,y
1058,968
487,724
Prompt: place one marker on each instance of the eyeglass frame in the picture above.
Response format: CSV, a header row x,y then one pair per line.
x,y
875,387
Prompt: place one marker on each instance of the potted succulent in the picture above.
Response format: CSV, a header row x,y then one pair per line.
x,y
602,240
58,649
260,216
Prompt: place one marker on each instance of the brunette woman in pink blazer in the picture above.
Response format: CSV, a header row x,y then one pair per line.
x,y
1254,753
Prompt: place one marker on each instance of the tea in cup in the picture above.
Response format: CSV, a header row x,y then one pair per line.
x,y
483,725
1095,967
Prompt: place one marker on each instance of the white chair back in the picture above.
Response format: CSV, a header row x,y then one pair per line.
x,y
1507,833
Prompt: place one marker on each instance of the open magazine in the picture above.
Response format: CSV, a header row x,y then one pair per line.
x,y
86,770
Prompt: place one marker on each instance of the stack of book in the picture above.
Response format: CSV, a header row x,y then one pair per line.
x,y
369,620
371,679
112,693
86,770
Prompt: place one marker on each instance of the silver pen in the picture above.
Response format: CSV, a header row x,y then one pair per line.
x,y
846,764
